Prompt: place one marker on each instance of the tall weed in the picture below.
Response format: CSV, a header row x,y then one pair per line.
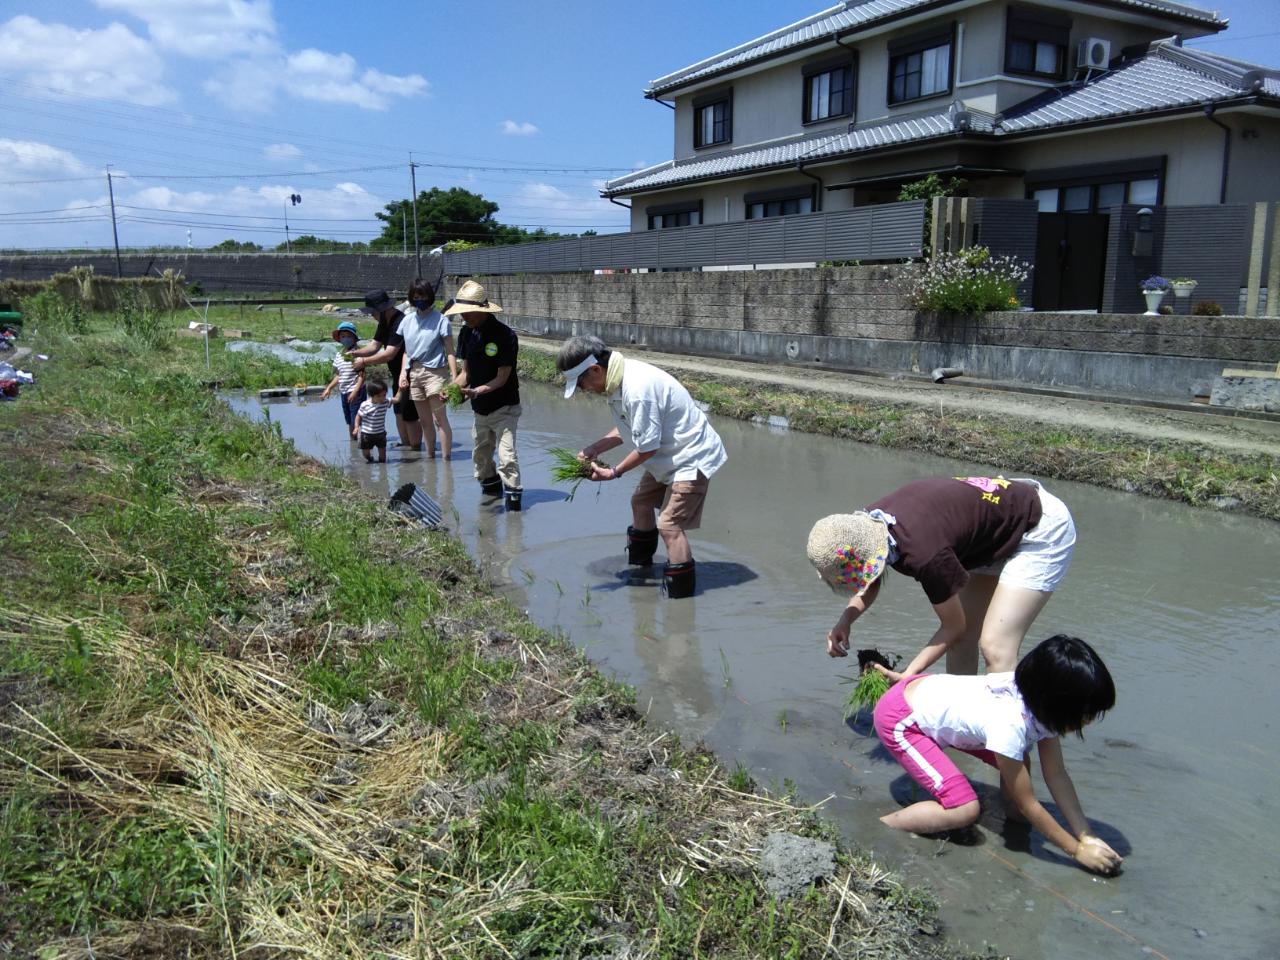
x,y
145,326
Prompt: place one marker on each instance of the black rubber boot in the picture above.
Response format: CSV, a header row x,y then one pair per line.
x,y
512,499
679,580
492,486
641,546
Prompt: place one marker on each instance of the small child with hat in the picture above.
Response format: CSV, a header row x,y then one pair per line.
x,y
348,380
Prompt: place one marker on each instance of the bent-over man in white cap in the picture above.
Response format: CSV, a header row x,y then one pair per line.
x,y
487,348
675,444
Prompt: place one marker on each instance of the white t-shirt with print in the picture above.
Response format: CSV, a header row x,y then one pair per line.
x,y
976,713
657,413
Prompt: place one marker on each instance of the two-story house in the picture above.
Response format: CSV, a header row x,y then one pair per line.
x,y
1079,104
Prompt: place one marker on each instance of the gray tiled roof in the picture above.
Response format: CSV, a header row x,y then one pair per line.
x,y
1168,77
850,16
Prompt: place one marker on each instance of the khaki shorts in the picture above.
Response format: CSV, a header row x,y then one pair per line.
x,y
427,382
682,509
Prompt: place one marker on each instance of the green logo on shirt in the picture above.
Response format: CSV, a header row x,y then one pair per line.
x,y
490,349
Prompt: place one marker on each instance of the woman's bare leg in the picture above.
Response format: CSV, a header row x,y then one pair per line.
x,y
440,413
962,657
1009,616
428,436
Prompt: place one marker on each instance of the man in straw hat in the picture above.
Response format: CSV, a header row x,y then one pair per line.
x,y
674,443
988,551
487,350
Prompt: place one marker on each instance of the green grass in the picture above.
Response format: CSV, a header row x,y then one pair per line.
x,y
210,594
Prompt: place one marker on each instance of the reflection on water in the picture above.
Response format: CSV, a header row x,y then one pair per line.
x,y
1183,605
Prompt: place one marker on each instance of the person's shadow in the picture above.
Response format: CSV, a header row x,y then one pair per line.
x,y
615,574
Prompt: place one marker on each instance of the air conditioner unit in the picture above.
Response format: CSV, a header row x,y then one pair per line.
x,y
1093,54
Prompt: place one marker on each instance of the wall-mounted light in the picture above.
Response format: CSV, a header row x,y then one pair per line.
x,y
1142,239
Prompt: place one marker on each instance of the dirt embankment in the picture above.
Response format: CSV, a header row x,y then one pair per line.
x,y
1206,460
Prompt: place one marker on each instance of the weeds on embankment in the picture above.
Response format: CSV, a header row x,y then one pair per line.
x,y
1168,470
244,712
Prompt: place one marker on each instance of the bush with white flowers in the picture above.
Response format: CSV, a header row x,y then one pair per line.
x,y
968,281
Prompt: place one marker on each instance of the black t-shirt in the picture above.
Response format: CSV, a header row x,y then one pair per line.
x,y
947,526
484,349
388,334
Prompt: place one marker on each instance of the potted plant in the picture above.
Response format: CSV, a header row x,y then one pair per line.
x,y
1154,288
1182,286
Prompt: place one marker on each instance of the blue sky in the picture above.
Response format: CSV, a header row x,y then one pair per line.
x,y
214,111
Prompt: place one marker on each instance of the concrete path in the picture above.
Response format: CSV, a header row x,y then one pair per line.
x,y
1152,423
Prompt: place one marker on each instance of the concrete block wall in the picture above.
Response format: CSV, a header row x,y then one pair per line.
x,y
855,318
263,272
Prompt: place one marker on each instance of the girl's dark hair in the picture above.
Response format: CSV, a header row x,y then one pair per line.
x,y
1065,684
420,289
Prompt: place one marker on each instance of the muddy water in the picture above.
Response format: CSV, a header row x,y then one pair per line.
x,y
1183,776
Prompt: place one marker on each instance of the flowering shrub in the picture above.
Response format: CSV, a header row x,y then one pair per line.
x,y
970,281
1155,283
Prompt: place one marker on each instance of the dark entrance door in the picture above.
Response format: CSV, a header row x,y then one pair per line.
x,y
1071,260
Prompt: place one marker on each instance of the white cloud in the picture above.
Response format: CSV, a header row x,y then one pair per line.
x,y
28,156
311,75
112,61
206,29
281,151
523,129
560,212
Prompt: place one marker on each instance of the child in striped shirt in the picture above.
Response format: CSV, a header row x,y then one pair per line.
x,y
346,378
371,422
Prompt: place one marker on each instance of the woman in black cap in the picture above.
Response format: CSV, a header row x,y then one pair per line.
x,y
387,346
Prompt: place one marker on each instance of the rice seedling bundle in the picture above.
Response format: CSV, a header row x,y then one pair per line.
x,y
567,468
452,394
870,684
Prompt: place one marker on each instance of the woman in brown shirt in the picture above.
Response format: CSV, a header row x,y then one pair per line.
x,y
989,552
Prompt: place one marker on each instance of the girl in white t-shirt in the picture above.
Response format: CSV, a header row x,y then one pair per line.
x,y
1059,687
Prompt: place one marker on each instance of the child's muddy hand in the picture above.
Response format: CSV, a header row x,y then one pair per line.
x,y
1096,855
838,641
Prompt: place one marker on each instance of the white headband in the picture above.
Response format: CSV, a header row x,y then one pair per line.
x,y
571,376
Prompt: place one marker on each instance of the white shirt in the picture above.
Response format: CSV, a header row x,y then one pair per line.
x,y
658,414
974,713
346,372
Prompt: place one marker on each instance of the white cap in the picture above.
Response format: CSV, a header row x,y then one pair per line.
x,y
571,376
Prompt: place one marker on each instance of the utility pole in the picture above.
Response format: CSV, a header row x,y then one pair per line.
x,y
287,248
413,186
115,235
404,232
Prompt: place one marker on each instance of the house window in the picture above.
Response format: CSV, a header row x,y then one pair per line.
x,y
713,119
1097,187
1036,43
828,90
1095,197
920,65
783,202
674,215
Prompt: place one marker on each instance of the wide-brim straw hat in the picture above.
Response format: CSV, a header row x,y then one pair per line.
x,y
849,550
471,298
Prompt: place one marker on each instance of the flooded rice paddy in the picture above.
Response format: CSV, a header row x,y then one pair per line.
x,y
1183,777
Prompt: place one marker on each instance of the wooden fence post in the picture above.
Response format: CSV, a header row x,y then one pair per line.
x,y
936,227
1273,272
1253,291
955,228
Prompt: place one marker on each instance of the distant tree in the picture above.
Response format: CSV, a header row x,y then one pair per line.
x,y
309,243
448,215
236,246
